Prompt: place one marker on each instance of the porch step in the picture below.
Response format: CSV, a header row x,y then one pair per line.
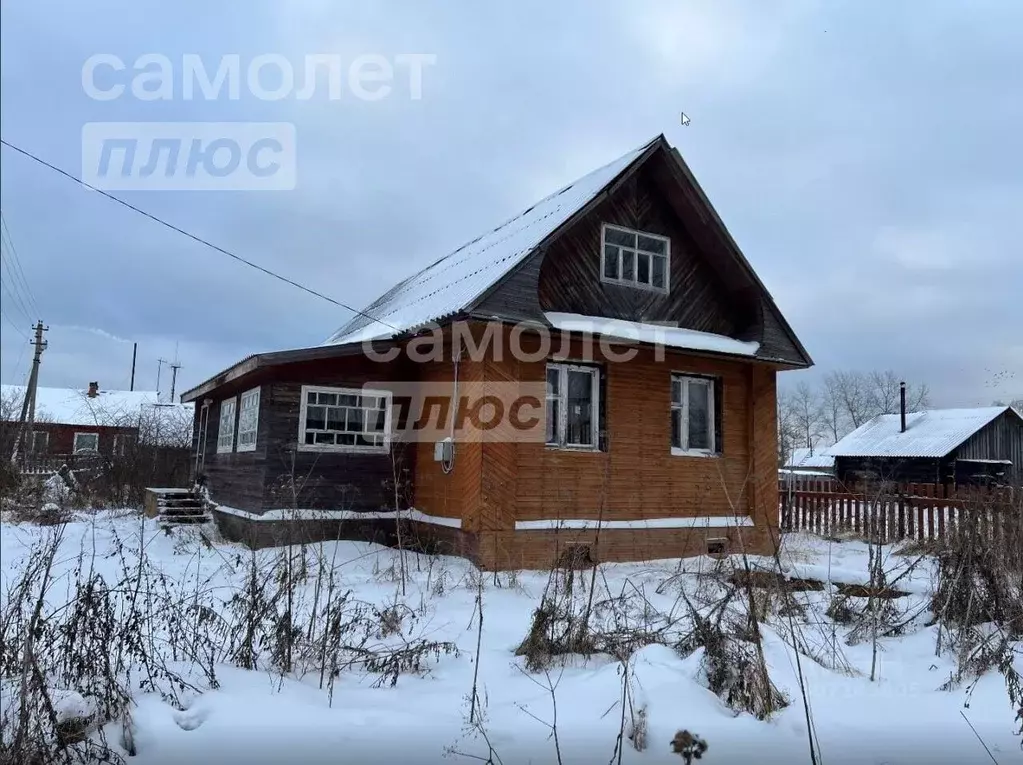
x,y
183,520
174,507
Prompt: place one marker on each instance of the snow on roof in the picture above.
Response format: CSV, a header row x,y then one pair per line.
x,y
933,433
70,406
819,457
658,334
454,282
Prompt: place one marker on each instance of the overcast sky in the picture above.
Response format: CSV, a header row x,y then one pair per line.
x,y
865,155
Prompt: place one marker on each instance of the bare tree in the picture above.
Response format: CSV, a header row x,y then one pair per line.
x,y
883,394
845,400
807,413
851,391
788,428
1016,403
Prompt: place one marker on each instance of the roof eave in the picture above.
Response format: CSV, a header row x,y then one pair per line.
x,y
275,358
737,251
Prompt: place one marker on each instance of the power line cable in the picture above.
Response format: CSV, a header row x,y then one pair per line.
x,y
13,252
10,287
194,237
12,323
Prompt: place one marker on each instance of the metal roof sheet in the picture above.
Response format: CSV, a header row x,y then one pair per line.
x,y
933,433
453,283
811,458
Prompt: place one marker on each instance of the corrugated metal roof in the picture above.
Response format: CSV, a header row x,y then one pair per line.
x,y
933,433
454,282
811,458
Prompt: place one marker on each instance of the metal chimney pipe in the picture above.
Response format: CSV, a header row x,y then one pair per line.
x,y
902,404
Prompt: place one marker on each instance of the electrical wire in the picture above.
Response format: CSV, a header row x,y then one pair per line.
x,y
192,236
20,272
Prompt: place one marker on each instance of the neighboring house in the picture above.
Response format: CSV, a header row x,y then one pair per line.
x,y
818,462
108,422
939,446
671,452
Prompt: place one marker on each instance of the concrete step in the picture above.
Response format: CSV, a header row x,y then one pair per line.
x,y
179,499
183,512
176,520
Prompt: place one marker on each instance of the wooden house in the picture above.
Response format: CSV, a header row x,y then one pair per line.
x,y
70,421
947,447
619,303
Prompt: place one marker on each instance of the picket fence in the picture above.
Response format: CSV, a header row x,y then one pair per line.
x,y
899,512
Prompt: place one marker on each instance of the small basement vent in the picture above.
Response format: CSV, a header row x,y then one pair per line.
x,y
717,547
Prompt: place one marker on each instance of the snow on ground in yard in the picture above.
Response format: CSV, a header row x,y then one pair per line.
x,y
258,717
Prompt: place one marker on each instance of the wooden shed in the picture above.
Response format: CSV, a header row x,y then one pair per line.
x,y
948,447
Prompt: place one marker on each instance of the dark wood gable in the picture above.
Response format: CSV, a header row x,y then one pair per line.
x,y
712,286
570,279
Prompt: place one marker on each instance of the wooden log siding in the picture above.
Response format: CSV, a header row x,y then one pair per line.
x,y
260,480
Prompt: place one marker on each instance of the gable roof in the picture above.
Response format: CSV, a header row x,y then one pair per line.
x,y
459,284
803,457
452,284
933,433
72,406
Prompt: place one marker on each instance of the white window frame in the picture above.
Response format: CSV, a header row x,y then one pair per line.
x,y
36,436
634,282
225,441
383,448
683,407
561,427
80,434
121,441
248,420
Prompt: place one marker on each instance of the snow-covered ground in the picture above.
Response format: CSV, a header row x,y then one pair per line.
x,y
258,716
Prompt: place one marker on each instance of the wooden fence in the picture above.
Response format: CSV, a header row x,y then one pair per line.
x,y
901,512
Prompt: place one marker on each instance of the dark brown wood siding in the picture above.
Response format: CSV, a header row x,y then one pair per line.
x,y
235,479
277,475
698,299
1002,439
61,438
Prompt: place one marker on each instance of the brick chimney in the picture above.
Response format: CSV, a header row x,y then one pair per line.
x,y
93,389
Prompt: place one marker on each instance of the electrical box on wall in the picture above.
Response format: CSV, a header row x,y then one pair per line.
x,y
442,451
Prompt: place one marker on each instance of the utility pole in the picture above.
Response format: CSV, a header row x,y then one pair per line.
x,y
28,406
134,355
159,370
174,378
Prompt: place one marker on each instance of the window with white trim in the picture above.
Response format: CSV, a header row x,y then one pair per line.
x,y
39,441
86,442
345,419
225,431
693,427
573,405
121,443
634,258
248,420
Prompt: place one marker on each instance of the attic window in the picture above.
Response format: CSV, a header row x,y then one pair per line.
x,y
634,258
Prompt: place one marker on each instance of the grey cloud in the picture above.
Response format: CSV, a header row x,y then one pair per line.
x,y
863,154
